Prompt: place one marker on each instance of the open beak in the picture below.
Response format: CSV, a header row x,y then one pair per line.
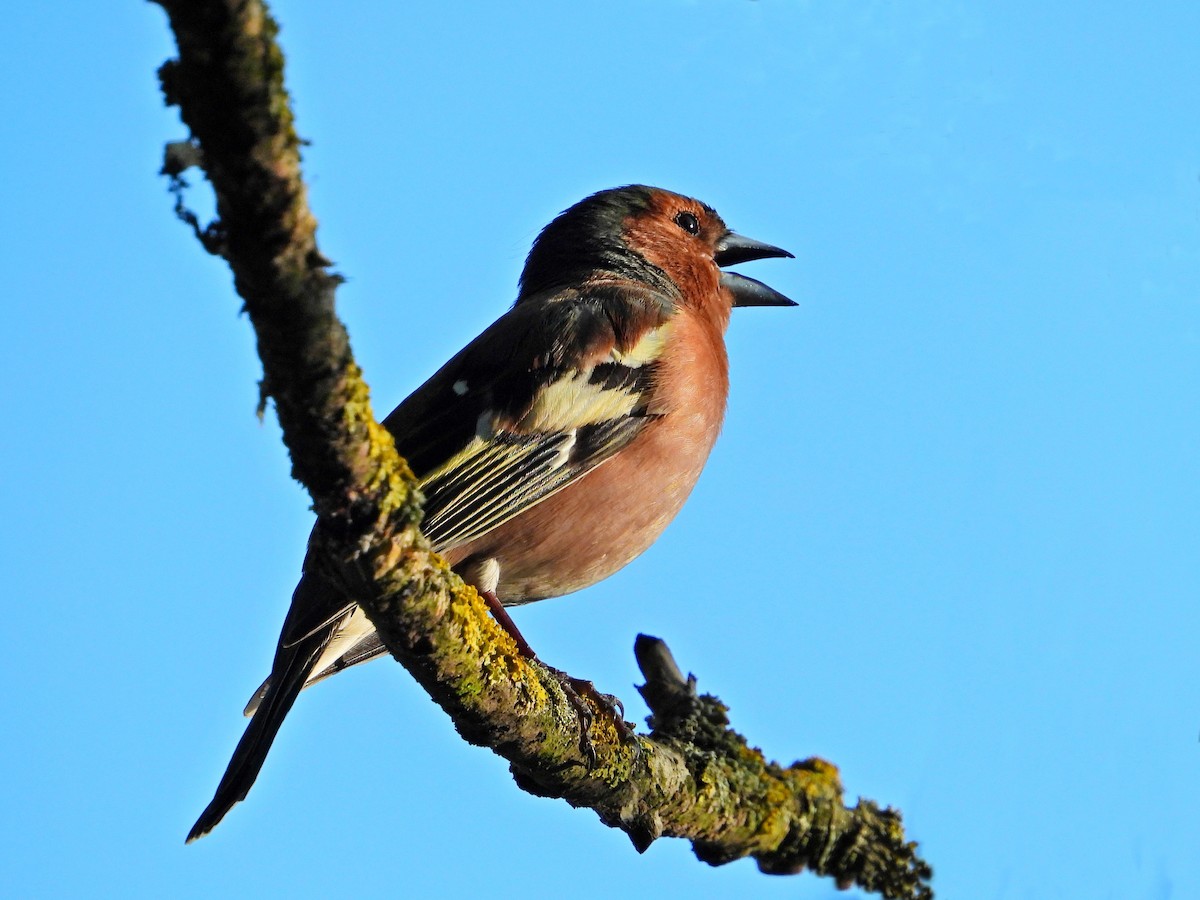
x,y
732,249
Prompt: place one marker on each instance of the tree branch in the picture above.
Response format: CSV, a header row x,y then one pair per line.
x,y
693,777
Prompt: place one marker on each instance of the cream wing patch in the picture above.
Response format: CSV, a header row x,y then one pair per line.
x,y
575,401
582,398
645,351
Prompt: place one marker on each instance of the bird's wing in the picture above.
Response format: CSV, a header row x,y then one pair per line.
x,y
575,423
576,391
548,392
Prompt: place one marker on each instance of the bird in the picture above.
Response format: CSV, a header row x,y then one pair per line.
x,y
557,445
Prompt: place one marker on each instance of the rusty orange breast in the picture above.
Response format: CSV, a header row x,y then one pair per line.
x,y
598,524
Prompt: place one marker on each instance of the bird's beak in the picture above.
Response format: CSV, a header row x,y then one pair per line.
x,y
751,292
732,249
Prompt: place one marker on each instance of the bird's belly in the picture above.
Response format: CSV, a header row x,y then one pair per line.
x,y
597,525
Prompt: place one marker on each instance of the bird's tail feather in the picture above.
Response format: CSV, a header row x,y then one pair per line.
x,y
291,668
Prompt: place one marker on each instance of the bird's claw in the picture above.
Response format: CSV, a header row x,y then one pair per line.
x,y
575,689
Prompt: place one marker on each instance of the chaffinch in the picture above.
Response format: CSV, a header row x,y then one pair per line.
x,y
556,446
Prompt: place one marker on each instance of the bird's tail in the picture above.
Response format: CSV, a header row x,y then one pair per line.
x,y
288,674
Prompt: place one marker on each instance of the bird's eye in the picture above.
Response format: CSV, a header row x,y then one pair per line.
x,y
688,222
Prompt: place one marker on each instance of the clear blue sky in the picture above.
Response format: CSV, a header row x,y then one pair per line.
x,y
949,538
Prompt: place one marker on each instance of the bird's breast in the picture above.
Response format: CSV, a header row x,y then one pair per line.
x,y
598,524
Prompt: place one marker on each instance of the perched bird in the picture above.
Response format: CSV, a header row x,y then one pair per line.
x,y
556,446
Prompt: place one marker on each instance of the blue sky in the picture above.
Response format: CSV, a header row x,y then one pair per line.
x,y
948,539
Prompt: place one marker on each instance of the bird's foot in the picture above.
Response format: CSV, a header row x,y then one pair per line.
x,y
576,689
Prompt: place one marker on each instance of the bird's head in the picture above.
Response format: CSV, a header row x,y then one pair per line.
x,y
671,242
